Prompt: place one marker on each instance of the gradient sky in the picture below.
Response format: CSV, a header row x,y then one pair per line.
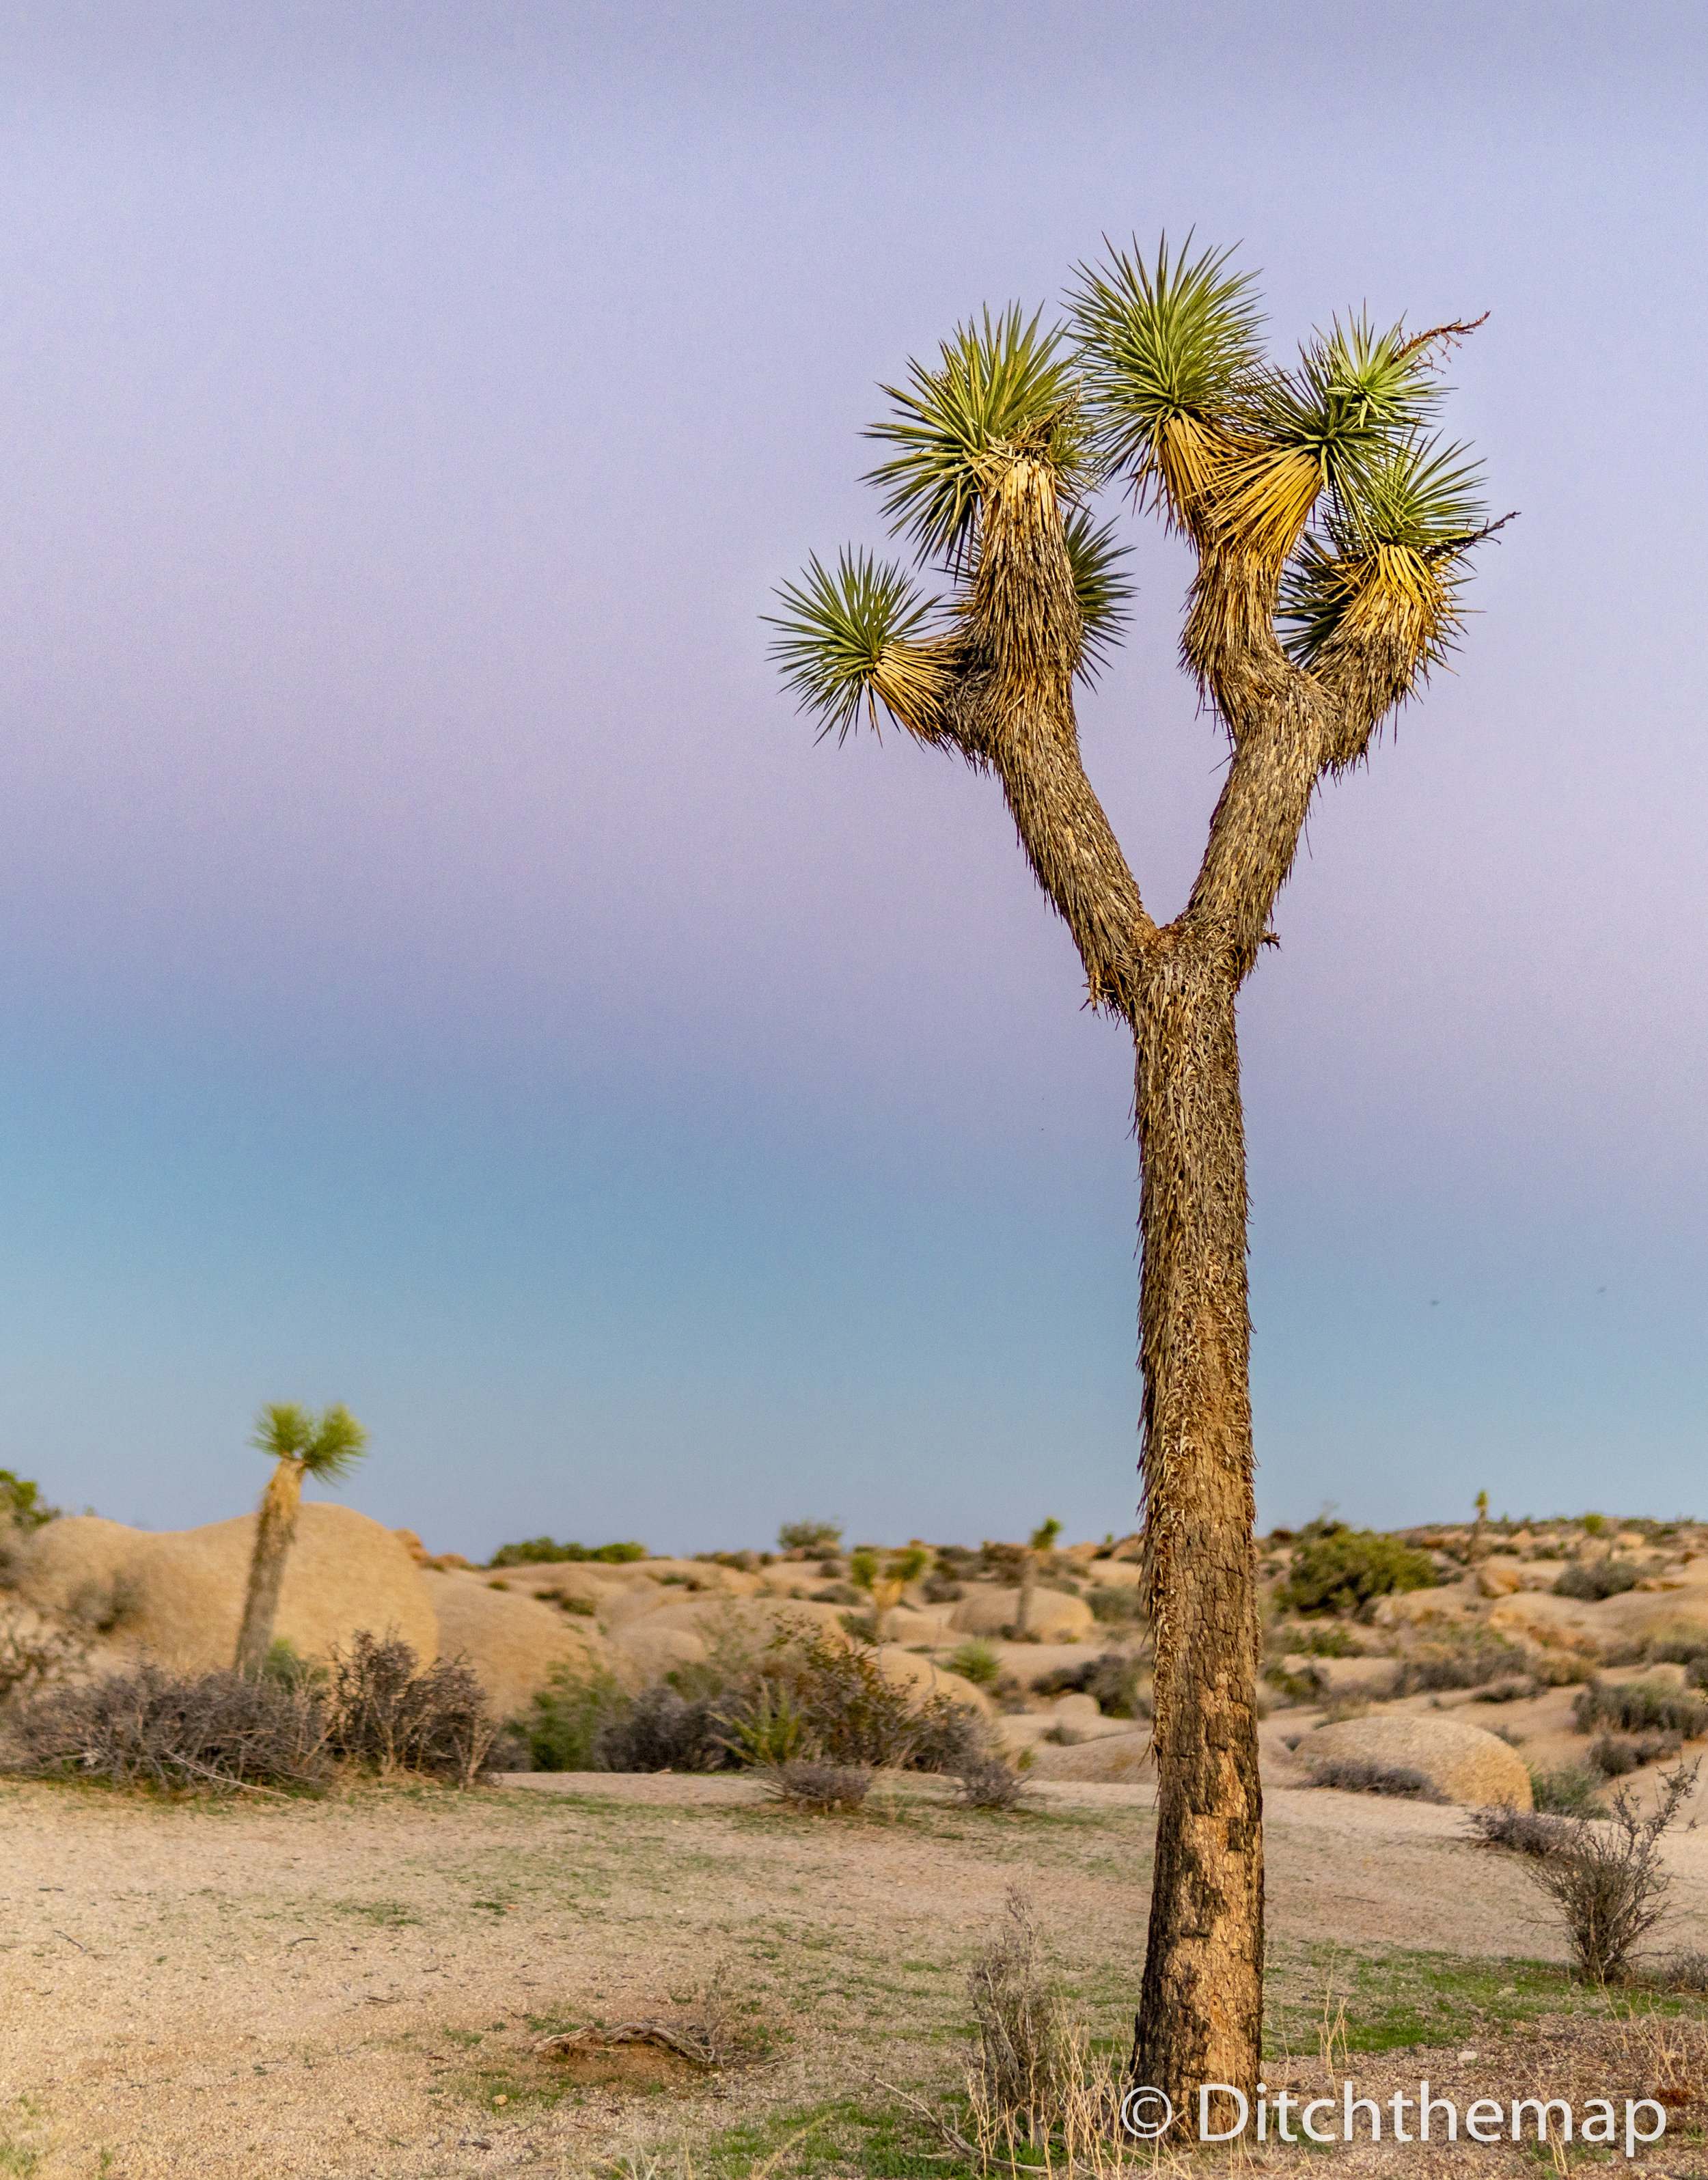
x,y
439,972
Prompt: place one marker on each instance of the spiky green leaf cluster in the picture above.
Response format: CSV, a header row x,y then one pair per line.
x,y
1003,388
1355,400
834,630
1420,495
1102,588
1161,344
327,1446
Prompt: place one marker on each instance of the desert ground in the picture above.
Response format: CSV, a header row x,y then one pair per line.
x,y
256,1983
353,1986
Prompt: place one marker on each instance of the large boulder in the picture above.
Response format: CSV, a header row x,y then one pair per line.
x,y
1055,1617
177,1595
1346,1676
1463,1763
905,1669
1111,1759
1448,1605
1558,1623
650,1649
511,1640
1680,1610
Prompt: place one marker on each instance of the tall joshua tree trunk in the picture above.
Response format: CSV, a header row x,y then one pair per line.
x,y
994,460
1201,2008
281,1504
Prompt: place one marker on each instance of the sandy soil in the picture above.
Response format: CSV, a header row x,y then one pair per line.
x,y
352,1986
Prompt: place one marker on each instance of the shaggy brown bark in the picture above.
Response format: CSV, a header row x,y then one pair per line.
x,y
1003,699
280,1505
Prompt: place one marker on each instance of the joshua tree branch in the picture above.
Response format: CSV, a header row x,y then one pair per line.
x,y
1007,704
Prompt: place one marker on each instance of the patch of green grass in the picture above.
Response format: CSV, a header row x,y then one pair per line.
x,y
389,1914
1393,1999
17,2157
878,2141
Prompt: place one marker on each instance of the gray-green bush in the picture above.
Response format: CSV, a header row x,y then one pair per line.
x,y
1337,1569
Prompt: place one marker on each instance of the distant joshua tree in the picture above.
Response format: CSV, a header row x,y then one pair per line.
x,y
1331,532
327,1446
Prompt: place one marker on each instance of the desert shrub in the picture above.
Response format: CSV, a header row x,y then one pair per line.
x,y
1638,1706
1520,1832
1112,1677
1690,1652
839,1593
810,1784
542,1552
175,1731
21,1503
1614,1755
1687,1971
1485,1658
1023,2045
1592,1580
285,1664
1607,1881
1329,1641
943,1589
977,1662
663,1729
1506,1691
768,1730
106,1602
1572,1790
1353,1774
1336,1569
386,1712
853,1715
583,1607
562,1724
1112,1606
988,1782
811,1539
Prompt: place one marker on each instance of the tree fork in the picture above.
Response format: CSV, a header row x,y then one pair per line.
x,y
1201,2005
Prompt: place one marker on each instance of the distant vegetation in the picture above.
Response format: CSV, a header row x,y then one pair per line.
x,y
810,1537
1336,1569
542,1552
21,1503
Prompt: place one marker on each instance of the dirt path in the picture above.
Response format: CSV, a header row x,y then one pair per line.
x,y
349,1987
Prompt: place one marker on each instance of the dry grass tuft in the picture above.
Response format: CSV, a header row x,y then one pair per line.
x,y
819,1788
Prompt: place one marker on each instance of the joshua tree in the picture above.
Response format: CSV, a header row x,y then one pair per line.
x,y
1331,531
886,1575
329,1446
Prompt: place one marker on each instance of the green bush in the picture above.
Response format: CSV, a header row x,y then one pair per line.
x,y
817,1538
1113,1605
542,1552
1640,1707
21,1503
1485,1658
977,1662
1591,1580
1112,1678
565,1719
1573,1790
1336,1569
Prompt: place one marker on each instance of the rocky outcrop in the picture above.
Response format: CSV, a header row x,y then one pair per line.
x,y
177,1595
1462,1763
512,1641
1054,1616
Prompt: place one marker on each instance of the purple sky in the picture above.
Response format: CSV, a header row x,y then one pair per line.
x,y
439,972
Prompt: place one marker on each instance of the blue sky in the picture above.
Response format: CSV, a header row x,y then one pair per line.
x,y
439,972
